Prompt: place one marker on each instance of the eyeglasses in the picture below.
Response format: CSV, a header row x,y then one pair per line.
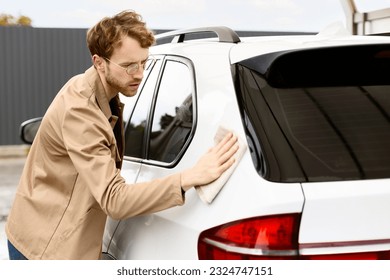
x,y
133,67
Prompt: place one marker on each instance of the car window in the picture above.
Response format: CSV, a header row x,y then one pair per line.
x,y
173,112
317,133
163,116
137,109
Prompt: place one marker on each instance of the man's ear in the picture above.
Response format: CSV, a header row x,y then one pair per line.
x,y
98,62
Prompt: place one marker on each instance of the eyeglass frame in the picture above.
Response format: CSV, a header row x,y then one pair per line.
x,y
136,65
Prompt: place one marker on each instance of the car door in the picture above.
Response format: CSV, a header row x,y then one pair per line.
x,y
135,116
158,133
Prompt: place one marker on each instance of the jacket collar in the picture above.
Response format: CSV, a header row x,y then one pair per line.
x,y
96,85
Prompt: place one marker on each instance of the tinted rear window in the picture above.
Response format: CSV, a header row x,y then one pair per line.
x,y
301,133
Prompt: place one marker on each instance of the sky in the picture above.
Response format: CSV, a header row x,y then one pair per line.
x,y
254,15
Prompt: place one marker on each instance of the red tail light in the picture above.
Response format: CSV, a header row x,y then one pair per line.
x,y
271,237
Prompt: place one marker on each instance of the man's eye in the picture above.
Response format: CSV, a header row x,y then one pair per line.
x,y
132,65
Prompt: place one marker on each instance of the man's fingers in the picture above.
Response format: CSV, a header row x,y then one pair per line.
x,y
228,154
228,137
226,144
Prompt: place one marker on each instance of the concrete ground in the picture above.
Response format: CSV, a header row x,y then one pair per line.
x,y
12,159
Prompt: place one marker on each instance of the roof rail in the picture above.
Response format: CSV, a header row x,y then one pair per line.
x,y
225,34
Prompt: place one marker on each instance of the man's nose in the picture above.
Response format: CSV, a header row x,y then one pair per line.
x,y
139,74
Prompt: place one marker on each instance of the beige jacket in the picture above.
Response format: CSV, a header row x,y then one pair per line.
x,y
71,181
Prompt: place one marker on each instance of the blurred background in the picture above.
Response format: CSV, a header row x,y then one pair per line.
x,y
263,15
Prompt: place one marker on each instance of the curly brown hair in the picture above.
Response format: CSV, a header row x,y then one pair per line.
x,y
106,35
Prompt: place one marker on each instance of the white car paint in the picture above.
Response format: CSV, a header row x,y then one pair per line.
x,y
339,216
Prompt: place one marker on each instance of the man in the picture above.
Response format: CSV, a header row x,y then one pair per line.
x,y
71,181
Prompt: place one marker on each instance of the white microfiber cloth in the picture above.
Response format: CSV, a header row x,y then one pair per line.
x,y
208,192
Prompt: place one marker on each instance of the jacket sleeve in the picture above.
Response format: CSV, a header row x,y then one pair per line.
x,y
91,145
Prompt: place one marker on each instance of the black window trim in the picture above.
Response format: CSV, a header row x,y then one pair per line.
x,y
149,119
132,158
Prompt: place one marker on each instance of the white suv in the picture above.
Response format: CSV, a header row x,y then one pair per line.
x,y
314,182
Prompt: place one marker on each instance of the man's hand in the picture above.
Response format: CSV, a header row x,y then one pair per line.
x,y
212,164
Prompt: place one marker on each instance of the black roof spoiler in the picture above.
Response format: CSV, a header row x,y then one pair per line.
x,y
351,65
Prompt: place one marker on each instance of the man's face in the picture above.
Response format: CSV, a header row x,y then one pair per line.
x,y
117,78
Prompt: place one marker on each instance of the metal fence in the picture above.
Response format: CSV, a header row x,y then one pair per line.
x,y
34,65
